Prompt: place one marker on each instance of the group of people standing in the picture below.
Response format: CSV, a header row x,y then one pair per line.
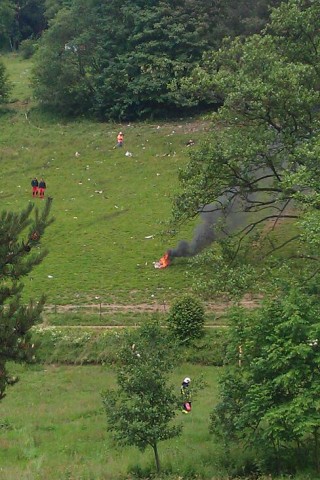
x,y
38,187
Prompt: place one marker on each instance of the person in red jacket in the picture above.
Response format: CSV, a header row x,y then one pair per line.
x,y
42,187
120,139
34,185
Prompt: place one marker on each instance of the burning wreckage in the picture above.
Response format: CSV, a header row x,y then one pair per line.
x,y
164,261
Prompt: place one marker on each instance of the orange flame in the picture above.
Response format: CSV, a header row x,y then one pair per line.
x,y
164,261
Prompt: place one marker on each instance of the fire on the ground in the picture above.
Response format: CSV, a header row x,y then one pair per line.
x,y
163,262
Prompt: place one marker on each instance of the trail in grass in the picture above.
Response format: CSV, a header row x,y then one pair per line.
x,y
219,307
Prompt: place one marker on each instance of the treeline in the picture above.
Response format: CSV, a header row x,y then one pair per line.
x,y
123,59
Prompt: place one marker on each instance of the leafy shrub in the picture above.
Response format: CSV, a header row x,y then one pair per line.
x,y
186,318
28,48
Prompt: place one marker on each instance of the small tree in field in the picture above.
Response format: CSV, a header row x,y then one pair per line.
x,y
186,318
141,410
20,252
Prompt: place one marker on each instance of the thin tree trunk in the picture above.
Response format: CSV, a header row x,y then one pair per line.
x,y
316,449
156,456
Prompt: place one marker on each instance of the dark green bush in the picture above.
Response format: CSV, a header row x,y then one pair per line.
x,y
186,319
27,48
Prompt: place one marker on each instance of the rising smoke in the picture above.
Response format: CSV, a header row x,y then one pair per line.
x,y
217,221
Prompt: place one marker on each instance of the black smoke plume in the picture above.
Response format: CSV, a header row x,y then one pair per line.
x,y
218,220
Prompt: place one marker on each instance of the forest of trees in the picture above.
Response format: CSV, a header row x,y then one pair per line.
x,y
122,59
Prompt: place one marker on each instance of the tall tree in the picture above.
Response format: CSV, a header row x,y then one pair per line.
x,y
141,410
270,389
7,16
20,20
260,162
20,251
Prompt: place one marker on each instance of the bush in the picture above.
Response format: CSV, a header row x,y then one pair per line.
x,y
186,319
27,48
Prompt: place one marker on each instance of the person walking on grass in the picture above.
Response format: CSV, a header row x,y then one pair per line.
x,y
42,187
35,185
186,395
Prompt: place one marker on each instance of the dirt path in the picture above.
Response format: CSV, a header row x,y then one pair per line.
x,y
105,308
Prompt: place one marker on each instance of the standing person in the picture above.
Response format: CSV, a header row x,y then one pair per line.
x,y
186,395
34,185
42,187
120,139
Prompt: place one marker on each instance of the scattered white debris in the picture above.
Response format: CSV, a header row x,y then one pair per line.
x,y
77,154
116,206
75,217
158,174
158,127
80,183
50,276
98,191
149,236
128,154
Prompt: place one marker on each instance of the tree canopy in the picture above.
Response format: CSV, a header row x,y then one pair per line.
x,y
20,20
270,389
119,59
260,161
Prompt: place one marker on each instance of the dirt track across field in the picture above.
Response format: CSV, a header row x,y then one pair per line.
x,y
107,308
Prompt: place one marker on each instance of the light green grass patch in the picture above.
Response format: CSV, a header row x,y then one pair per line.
x,y
111,210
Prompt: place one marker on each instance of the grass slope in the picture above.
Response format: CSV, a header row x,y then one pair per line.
x,y
105,203
53,427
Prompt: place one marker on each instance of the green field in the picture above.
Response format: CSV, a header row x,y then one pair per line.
x,y
53,427
106,204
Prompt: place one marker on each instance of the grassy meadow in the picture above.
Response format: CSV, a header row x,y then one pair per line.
x,y
111,210
53,427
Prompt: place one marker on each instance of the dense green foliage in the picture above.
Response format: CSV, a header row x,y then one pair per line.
x,y
141,410
270,390
18,256
117,59
260,162
186,318
5,85
20,20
